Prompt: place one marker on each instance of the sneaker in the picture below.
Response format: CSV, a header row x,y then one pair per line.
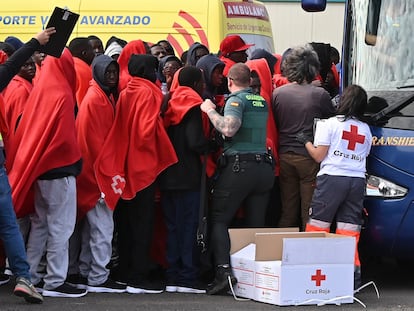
x,y
8,271
4,278
109,286
24,288
77,280
144,287
196,289
224,277
65,290
39,286
171,288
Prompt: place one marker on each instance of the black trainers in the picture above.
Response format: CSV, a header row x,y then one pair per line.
x,y
109,286
221,284
24,288
65,290
357,278
144,287
77,280
4,278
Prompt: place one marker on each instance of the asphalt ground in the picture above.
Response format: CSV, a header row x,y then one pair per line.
x,y
395,285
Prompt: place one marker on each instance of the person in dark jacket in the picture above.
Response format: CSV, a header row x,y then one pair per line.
x,y
212,68
180,183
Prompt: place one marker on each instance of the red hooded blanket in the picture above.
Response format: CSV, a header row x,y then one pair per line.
x,y
133,47
137,147
46,133
94,120
262,68
15,96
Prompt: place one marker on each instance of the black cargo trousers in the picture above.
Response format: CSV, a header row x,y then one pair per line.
x,y
244,180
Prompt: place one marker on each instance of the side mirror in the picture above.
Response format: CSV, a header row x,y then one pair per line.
x,y
314,5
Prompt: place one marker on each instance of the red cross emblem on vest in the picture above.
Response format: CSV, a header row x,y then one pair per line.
x,y
353,137
318,277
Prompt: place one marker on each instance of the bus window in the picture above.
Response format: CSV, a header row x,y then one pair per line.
x,y
372,22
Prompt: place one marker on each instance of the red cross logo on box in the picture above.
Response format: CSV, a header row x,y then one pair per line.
x,y
318,277
353,137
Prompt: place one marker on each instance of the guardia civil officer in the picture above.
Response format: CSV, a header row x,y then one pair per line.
x,y
245,169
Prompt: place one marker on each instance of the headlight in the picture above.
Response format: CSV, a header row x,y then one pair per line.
x,y
380,187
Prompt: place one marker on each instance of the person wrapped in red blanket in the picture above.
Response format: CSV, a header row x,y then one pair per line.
x,y
136,150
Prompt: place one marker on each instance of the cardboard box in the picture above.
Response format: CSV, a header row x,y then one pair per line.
x,y
243,257
292,268
242,263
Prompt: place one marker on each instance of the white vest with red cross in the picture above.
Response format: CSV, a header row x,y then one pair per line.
x,y
349,144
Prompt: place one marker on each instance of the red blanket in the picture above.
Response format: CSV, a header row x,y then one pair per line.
x,y
83,77
228,63
15,96
46,133
137,147
262,69
133,47
183,98
93,122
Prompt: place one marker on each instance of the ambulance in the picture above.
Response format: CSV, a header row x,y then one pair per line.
x,y
181,22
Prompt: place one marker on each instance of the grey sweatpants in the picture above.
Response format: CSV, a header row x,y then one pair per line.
x,y
96,246
51,227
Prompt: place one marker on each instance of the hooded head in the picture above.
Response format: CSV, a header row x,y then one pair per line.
x,y
269,57
99,67
143,66
132,47
208,64
195,52
15,42
113,50
163,62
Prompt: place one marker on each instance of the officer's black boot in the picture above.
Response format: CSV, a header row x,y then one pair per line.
x,y
357,277
221,283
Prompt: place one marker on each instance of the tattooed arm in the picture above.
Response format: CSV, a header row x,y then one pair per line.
x,y
227,125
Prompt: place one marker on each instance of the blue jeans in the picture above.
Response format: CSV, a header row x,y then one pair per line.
x,y
181,215
9,230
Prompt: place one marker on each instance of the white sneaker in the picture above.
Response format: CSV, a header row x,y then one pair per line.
x,y
171,288
191,290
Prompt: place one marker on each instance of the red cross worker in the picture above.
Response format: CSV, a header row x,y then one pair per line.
x,y
341,146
